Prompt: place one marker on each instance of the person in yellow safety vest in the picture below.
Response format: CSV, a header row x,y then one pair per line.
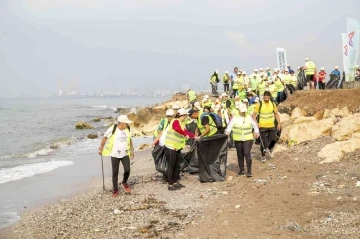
x,y
273,90
119,148
280,89
206,125
227,103
269,123
164,123
246,81
246,102
226,81
256,73
254,82
287,77
262,86
206,102
242,127
261,73
175,141
191,96
214,80
242,93
218,110
237,84
268,72
293,79
310,70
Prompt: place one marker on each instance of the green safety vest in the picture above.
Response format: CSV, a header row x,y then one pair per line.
x,y
207,103
242,130
262,87
166,123
173,139
250,109
254,84
213,129
310,68
226,79
279,85
293,81
273,90
242,94
192,95
237,83
109,145
232,104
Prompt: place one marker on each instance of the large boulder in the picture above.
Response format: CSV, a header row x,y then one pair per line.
x,y
297,112
346,127
284,117
319,114
159,109
335,152
344,112
300,120
83,125
298,133
150,127
179,103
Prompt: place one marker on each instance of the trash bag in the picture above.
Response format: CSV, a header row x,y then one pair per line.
x,y
212,157
231,142
191,128
333,82
301,79
161,164
190,163
291,89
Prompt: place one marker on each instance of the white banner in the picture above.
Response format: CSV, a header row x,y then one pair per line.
x,y
281,58
353,31
345,54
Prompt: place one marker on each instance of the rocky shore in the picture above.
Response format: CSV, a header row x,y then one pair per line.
x,y
310,189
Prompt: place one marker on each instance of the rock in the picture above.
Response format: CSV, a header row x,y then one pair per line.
x,y
308,111
339,198
225,193
132,116
83,125
136,133
346,127
300,120
159,109
344,112
150,127
179,103
237,206
326,113
341,186
319,114
296,113
144,147
358,184
284,117
334,152
92,136
117,211
96,120
292,226
229,178
299,133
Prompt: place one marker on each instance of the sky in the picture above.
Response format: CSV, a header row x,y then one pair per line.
x,y
93,45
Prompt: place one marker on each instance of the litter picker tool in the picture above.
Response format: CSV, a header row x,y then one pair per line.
x,y
142,156
102,169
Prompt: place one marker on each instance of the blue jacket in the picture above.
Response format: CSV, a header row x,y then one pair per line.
x,y
336,72
290,70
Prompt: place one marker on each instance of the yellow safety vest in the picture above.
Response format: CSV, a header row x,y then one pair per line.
x,y
166,123
250,109
242,129
273,90
207,103
254,84
213,129
173,139
237,83
267,117
262,87
192,95
293,81
287,79
242,94
279,85
226,79
110,143
310,68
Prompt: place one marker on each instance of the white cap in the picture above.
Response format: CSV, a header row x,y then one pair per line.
x,y
245,101
286,70
249,90
224,94
336,67
322,68
206,97
170,112
217,71
197,105
239,73
267,68
298,67
243,108
237,97
226,72
188,90
182,111
244,73
124,119
175,107
257,99
255,69
261,69
307,58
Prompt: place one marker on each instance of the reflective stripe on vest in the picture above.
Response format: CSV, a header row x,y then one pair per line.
x,y
213,129
109,145
173,139
242,130
192,95
267,116
310,68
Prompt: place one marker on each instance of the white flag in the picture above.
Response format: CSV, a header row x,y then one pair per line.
x,y
345,50
281,58
353,34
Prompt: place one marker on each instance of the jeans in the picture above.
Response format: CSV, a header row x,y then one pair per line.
x,y
214,89
321,86
226,87
173,157
268,139
115,163
243,150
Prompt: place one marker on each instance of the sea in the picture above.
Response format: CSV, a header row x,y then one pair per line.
x,y
39,135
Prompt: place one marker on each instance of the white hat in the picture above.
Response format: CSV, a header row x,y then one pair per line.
x,y
197,105
298,67
224,94
226,72
336,67
176,107
307,58
188,90
245,101
237,105
322,68
237,97
244,73
217,71
255,69
249,90
267,68
257,99
212,107
261,69
286,70
182,111
124,119
170,112
243,108
206,97
239,73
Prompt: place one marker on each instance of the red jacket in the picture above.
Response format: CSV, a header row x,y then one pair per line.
x,y
322,75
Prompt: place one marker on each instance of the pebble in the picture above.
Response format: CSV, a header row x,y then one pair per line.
x,y
341,186
230,178
339,198
225,193
117,211
237,206
358,184
355,198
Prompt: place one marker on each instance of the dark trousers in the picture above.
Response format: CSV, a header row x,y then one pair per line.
x,y
214,89
321,86
268,138
279,97
173,157
226,87
243,150
233,93
115,162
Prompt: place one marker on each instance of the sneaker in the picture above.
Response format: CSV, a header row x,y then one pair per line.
x,y
263,160
115,193
172,187
126,187
179,185
241,173
249,175
271,153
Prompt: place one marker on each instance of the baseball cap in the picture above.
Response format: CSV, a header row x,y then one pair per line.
x,y
245,101
224,94
124,119
170,112
182,111
176,107
249,90
242,108
192,111
197,105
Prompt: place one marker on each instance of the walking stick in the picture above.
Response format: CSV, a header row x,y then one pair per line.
x,y
102,169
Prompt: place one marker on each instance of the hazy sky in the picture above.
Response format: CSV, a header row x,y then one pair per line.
x,y
47,45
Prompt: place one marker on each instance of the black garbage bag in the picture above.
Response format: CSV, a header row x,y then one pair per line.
x,y
190,163
191,128
333,82
301,79
291,89
231,142
212,155
161,164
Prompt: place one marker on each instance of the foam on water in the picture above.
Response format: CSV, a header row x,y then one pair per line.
x,y
29,170
8,218
41,152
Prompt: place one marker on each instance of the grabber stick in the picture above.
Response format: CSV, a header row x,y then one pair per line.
x,y
102,169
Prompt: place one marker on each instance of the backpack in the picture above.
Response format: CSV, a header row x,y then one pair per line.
x,y
217,120
258,116
114,129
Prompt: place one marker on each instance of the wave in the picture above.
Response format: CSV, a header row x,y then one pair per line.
x,y
99,106
41,152
29,170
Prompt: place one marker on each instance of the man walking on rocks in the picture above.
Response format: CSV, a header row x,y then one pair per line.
x,y
120,148
269,123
